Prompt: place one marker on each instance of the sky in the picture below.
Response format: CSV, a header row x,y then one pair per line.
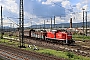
x,y
36,11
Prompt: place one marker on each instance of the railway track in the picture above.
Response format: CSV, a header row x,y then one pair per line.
x,y
84,51
12,53
11,56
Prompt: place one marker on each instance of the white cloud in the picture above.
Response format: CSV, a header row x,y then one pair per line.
x,y
78,6
78,11
39,0
13,7
9,23
10,5
28,15
51,1
85,7
85,1
65,3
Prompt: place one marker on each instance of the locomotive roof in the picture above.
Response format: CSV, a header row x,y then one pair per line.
x,y
59,30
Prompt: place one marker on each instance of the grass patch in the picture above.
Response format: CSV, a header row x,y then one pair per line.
x,y
81,37
1,59
9,43
66,55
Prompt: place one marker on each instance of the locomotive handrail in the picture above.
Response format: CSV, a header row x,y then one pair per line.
x,y
66,38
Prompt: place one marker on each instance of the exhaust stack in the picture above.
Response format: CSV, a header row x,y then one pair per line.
x,y
70,22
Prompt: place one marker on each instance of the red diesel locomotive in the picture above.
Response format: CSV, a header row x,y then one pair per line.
x,y
59,36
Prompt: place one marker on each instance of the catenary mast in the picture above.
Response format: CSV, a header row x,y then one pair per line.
x,y
21,25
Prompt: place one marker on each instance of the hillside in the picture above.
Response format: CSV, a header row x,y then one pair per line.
x,y
62,25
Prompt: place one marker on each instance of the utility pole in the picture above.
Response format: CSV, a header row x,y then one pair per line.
x,y
86,23
1,24
83,20
21,25
83,24
51,23
54,21
44,24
